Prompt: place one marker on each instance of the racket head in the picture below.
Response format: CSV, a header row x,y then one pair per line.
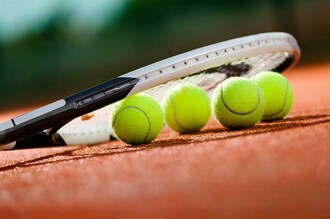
x,y
205,67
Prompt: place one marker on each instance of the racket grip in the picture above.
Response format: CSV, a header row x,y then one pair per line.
x,y
41,139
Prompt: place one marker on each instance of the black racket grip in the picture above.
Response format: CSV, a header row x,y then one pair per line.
x,y
38,140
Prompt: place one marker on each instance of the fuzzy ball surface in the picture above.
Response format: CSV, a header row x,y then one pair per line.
x,y
187,108
137,119
278,94
238,103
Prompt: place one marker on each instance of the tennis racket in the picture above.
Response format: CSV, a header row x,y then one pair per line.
x,y
74,121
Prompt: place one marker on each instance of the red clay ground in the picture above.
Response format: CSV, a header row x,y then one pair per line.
x,y
274,170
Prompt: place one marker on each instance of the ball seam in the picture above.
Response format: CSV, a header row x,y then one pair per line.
x,y
238,113
175,118
284,103
149,123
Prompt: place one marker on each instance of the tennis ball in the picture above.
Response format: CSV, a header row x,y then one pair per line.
x,y
238,103
186,108
278,94
137,119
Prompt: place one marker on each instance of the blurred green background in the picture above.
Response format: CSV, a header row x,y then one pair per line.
x,y
50,49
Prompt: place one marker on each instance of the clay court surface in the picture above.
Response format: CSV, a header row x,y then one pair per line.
x,y
275,170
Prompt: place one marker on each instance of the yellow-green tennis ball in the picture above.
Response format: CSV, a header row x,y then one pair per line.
x,y
238,103
137,119
278,94
187,108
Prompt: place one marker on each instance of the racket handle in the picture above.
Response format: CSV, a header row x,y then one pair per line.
x,y
41,139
